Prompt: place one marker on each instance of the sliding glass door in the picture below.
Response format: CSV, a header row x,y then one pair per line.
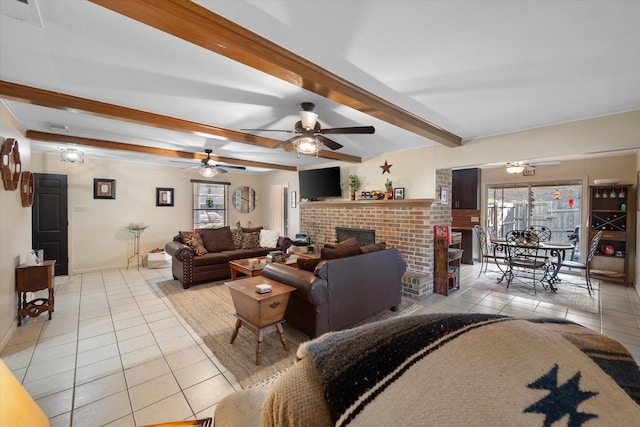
x,y
557,206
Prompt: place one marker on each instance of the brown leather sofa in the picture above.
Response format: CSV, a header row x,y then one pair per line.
x,y
341,292
190,269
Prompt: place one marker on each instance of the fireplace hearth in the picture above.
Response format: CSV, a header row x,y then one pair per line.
x,y
363,236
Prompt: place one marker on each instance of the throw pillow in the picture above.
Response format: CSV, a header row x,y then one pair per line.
x,y
308,264
236,236
194,241
339,252
251,230
251,240
217,239
269,238
374,247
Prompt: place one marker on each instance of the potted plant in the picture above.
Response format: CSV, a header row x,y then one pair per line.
x,y
389,187
354,183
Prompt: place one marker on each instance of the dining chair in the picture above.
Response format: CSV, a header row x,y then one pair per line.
x,y
593,246
487,250
524,257
544,233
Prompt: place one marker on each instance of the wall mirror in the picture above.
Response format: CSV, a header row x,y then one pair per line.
x,y
244,199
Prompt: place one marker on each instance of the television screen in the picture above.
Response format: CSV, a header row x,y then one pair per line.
x,y
320,183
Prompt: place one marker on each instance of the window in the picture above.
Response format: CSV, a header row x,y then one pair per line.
x,y
209,204
516,207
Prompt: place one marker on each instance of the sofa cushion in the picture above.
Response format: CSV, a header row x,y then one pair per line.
x,y
236,236
308,264
251,240
339,252
211,258
194,241
269,238
351,241
217,239
373,247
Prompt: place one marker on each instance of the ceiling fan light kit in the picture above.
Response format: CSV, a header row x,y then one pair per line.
x,y
307,145
71,155
208,172
514,168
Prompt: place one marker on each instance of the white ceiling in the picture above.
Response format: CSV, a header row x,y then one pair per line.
x,y
474,68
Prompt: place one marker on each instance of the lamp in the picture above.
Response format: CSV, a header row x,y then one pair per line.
x,y
516,167
71,155
307,145
308,119
208,171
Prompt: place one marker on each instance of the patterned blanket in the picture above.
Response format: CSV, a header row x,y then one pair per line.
x,y
474,369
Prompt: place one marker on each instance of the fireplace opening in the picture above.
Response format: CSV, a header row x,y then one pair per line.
x,y
363,236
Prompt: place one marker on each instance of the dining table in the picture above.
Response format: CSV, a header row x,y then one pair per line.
x,y
555,254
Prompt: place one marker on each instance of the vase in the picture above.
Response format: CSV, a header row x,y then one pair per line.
x,y
389,194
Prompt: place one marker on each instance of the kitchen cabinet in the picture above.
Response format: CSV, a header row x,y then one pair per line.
x,y
465,191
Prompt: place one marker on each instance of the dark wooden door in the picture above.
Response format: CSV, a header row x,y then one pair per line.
x,y
49,221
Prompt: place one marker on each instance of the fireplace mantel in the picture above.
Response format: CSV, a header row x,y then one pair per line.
x,y
395,203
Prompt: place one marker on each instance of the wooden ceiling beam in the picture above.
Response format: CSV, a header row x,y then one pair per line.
x,y
112,145
61,101
202,27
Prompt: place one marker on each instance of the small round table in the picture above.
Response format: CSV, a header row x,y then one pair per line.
x,y
136,245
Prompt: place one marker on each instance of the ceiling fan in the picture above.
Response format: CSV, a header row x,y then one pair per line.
x,y
517,167
309,138
208,168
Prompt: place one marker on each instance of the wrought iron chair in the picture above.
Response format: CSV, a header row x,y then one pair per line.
x,y
593,246
524,257
544,233
487,250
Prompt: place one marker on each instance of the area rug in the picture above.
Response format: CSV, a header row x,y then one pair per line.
x,y
571,290
208,309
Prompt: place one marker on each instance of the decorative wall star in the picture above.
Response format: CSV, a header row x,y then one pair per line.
x,y
386,168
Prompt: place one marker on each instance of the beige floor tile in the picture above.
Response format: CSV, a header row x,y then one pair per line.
x,y
62,420
57,403
99,389
96,341
42,370
140,356
136,343
103,411
153,391
97,354
196,373
50,385
94,371
172,408
207,393
129,322
146,371
136,331
185,357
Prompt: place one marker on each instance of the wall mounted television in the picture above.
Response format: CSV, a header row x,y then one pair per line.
x,y
316,184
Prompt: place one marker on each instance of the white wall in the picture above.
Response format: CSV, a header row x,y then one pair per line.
x,y
15,230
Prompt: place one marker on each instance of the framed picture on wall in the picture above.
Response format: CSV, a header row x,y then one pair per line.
x,y
164,196
444,195
398,193
104,188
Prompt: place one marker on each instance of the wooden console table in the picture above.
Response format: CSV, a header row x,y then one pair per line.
x,y
34,278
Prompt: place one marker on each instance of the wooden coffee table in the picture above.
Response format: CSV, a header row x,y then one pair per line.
x,y
261,313
243,266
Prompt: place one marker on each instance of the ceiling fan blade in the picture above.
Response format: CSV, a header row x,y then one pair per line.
x,y
241,168
288,141
220,170
350,130
329,143
267,130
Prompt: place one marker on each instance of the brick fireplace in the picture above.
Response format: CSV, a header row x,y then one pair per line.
x,y
403,224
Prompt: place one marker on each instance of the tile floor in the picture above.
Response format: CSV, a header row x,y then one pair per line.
x,y
117,354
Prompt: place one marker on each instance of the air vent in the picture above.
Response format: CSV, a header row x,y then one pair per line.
x,y
57,127
26,11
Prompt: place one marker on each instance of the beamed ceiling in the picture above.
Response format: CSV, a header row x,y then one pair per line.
x,y
160,81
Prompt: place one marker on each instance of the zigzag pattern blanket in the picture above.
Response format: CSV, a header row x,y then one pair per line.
x,y
474,369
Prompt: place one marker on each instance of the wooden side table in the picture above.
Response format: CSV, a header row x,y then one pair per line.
x,y
34,278
261,313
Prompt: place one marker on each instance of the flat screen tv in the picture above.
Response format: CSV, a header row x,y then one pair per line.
x,y
318,184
